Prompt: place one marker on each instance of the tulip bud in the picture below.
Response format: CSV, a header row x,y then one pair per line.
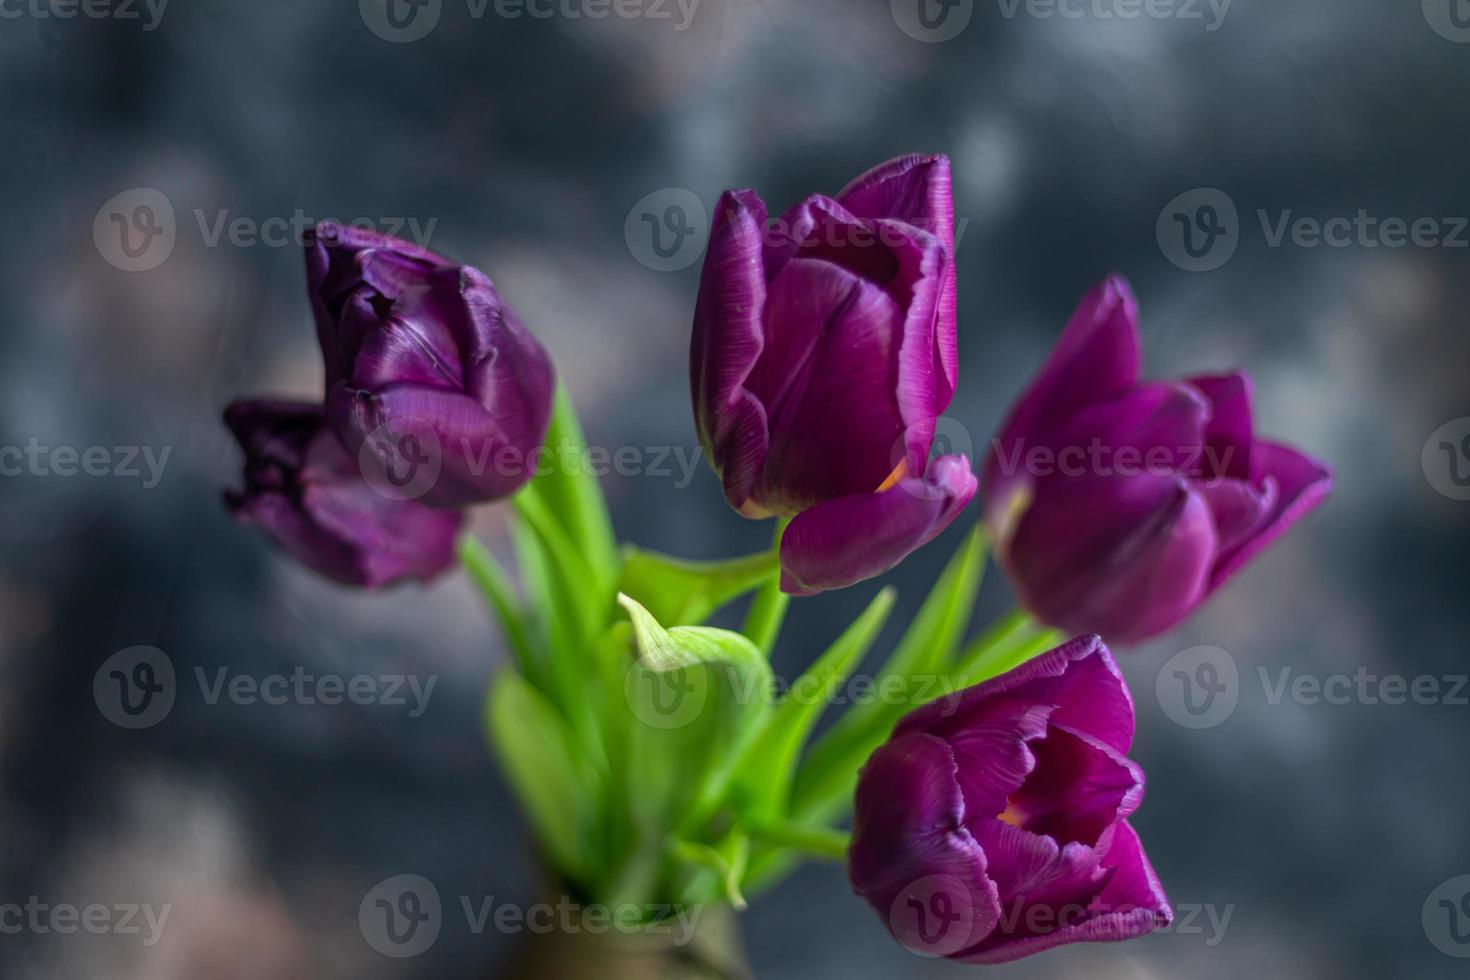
x,y
305,492
823,353
1118,506
431,377
992,825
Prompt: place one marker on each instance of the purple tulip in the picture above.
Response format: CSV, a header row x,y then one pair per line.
x,y
823,353
305,492
429,372
1118,506
992,825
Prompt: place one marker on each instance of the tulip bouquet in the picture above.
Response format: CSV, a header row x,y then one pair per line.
x,y
658,759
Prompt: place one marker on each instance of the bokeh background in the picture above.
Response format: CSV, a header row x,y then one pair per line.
x,y
531,147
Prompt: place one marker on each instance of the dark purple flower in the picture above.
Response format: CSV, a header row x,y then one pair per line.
x,y
308,495
823,354
429,372
1118,506
992,824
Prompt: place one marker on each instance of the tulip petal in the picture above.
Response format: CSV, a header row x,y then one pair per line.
x,y
923,391
1151,428
306,493
1078,681
917,190
826,382
1125,557
1079,787
1300,483
1240,509
1097,357
851,539
414,343
909,831
727,341
1229,435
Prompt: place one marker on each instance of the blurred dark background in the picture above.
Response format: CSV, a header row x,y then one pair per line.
x,y
531,147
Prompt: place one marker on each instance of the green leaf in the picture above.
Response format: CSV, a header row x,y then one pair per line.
x,y
572,493
550,778
826,779
767,772
697,695
574,591
678,591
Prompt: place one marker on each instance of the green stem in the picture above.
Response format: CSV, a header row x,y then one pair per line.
x,y
768,609
818,842
1014,639
497,589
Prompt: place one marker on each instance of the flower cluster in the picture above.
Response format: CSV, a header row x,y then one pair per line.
x,y
988,825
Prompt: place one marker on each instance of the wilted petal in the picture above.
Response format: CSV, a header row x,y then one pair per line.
x,y
851,539
305,492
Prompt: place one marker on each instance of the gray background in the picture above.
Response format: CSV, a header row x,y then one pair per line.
x,y
1320,828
